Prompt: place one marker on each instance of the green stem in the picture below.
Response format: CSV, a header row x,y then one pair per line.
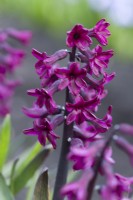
x,y
62,170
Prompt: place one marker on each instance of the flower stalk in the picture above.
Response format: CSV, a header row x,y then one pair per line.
x,y
62,170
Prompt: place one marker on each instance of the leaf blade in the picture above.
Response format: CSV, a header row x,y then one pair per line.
x,y
5,135
5,193
41,187
24,176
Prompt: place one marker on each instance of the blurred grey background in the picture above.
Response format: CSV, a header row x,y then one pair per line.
x,y
49,20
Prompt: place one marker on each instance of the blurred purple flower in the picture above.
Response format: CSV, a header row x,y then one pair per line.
x,y
116,184
86,132
126,128
77,190
123,144
10,59
3,36
84,157
23,36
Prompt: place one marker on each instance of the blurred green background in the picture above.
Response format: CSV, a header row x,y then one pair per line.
x,y
58,16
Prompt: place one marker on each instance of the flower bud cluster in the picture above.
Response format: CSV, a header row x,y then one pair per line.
x,y
10,59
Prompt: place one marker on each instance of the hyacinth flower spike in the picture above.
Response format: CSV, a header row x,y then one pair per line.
x,y
83,78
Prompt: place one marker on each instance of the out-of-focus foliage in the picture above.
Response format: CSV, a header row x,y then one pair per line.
x,y
29,170
5,135
5,193
14,175
60,15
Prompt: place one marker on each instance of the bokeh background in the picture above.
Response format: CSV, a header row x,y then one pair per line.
x,y
49,20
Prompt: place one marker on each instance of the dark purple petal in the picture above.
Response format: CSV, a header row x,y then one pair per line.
x,y
71,117
57,120
61,72
42,139
73,88
63,84
30,131
52,138
39,55
35,112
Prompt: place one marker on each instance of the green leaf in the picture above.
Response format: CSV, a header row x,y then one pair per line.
x,y
13,173
25,174
41,188
5,193
31,186
26,158
5,135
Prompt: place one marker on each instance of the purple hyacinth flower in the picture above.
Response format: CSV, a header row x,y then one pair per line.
x,y
13,51
43,98
7,87
39,66
100,32
6,92
86,132
103,124
22,36
58,55
11,61
100,59
45,65
72,77
123,144
81,110
35,111
43,129
126,128
84,156
116,184
78,37
78,190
